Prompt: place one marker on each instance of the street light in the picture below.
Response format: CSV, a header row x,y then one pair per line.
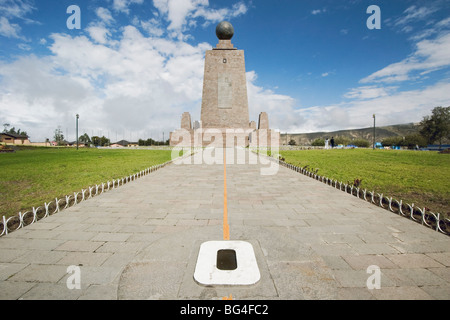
x,y
77,129
374,131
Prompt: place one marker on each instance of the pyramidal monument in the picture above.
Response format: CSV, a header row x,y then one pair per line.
x,y
224,112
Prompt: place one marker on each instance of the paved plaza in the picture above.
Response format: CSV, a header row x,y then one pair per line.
x,y
141,241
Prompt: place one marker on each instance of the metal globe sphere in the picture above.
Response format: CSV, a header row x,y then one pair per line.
x,y
224,31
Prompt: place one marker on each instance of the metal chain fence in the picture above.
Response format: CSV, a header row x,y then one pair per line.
x,y
422,216
13,223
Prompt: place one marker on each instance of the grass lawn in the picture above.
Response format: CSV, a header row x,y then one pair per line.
x,y
418,177
30,177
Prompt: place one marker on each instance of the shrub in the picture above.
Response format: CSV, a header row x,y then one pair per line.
x,y
318,143
361,143
342,140
392,141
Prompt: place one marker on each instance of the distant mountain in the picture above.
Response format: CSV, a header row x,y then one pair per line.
x,y
305,139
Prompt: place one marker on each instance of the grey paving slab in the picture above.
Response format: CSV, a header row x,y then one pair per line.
x,y
141,241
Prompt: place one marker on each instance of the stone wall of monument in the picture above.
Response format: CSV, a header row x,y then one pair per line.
x,y
224,102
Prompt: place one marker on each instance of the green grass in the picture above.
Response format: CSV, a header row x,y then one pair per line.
x,y
422,178
30,177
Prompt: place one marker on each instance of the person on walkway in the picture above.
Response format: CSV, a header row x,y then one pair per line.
x,y
332,142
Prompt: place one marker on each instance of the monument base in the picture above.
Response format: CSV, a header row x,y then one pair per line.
x,y
226,263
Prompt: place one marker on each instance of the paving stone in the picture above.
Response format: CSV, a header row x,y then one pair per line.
x,y
40,257
110,236
443,273
354,294
9,269
81,245
99,292
441,257
42,234
351,278
362,262
438,292
40,273
116,246
9,255
413,260
98,275
51,291
43,225
76,235
13,290
336,262
373,248
401,293
83,258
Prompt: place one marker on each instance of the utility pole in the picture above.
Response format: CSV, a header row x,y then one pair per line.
x,y
374,131
77,129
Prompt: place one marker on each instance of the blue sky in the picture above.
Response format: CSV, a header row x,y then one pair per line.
x,y
136,65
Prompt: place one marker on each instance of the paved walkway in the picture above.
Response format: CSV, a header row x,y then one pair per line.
x,y
141,241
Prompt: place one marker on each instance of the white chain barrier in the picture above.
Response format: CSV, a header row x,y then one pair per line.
x,y
21,220
422,216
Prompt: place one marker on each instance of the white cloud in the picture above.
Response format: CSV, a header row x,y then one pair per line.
x,y
325,74
182,13
9,30
413,13
152,26
104,15
318,11
280,108
123,5
399,107
98,33
369,92
14,10
430,55
137,84
437,27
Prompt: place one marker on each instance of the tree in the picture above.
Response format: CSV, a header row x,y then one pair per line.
x,y
414,140
97,141
59,137
437,126
85,139
361,143
318,143
342,140
392,141
292,142
104,141
13,130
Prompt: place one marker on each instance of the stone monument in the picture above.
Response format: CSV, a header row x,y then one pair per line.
x,y
224,110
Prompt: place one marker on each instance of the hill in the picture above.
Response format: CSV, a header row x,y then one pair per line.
x,y
305,139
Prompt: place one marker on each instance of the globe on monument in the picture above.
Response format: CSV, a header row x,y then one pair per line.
x,y
224,30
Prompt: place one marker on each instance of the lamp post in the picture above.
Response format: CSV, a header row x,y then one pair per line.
x,y
374,131
77,129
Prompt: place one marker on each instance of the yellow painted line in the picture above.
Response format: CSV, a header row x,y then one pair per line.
x,y
226,227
